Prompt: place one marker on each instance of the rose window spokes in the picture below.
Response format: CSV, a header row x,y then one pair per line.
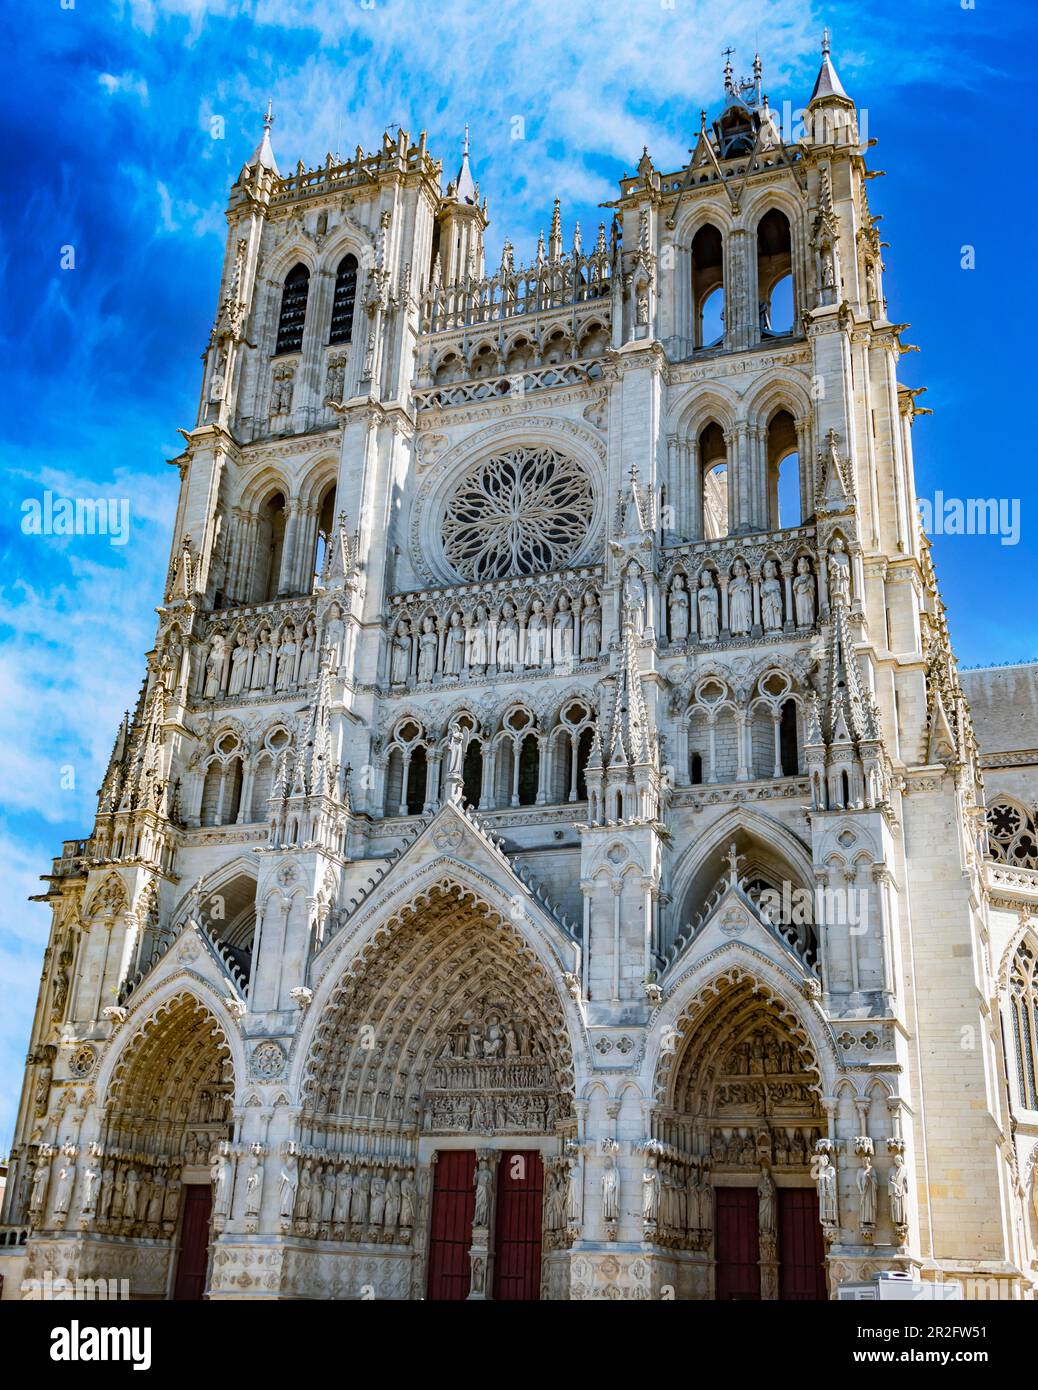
x,y
523,512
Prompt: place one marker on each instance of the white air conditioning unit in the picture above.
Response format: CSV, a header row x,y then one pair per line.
x,y
893,1286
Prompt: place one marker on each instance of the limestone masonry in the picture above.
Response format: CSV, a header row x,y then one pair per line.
x,y
548,856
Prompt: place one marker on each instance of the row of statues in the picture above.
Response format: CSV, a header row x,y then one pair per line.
x,y
122,1193
738,604
511,638
356,1197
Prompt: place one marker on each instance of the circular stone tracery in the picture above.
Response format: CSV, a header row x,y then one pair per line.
x,y
523,512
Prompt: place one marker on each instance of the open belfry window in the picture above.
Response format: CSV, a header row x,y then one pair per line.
x,y
293,310
344,301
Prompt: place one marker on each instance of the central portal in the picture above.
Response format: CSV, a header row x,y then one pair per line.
x,y
513,1217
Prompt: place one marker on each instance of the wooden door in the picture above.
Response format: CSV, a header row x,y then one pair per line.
x,y
517,1229
801,1247
737,1245
450,1233
193,1255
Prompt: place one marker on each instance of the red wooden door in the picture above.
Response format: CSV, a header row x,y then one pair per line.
x,y
801,1247
193,1256
737,1243
450,1234
517,1229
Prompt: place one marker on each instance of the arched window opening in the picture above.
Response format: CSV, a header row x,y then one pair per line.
x,y
774,265
325,525
262,785
785,495
232,792
293,310
707,287
587,738
416,782
344,301
472,773
713,460
1023,1000
394,804
695,771
529,770
788,739
211,794
269,549
845,789
1012,837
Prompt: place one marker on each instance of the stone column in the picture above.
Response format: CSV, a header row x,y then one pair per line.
x,y
485,1179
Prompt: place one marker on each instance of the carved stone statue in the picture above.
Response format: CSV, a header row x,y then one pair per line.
x,y
239,669
678,605
634,597
839,572
866,1192
65,1183
286,659
308,654
334,635
562,639
479,640
536,636
220,1172
507,639
91,1187
771,598
400,665
289,1186
483,1178
454,647
254,1184
133,1188
610,1188
740,601
40,1183
766,1222
707,598
826,1182
590,628
261,666
897,1188
804,593
393,1201
428,643
214,668
408,1198
651,1191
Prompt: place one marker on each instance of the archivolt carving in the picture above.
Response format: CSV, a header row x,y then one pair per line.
x,y
448,966
724,1004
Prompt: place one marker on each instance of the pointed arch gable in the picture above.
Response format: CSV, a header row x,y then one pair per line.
x,y
398,901
771,832
692,994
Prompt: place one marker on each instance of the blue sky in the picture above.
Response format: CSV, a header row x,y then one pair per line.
x,y
109,116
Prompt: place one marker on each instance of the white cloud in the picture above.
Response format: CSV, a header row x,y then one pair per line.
x,y
128,84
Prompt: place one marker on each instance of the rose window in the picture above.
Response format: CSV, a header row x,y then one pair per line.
x,y
523,512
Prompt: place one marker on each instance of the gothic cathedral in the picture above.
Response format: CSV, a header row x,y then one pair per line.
x,y
547,858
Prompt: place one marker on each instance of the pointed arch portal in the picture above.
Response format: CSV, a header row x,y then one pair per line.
x,y
741,1118
445,1049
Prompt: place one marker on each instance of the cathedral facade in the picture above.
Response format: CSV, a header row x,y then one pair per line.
x,y
548,857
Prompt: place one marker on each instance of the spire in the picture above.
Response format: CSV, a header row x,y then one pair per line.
x,y
555,236
827,84
465,185
263,155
